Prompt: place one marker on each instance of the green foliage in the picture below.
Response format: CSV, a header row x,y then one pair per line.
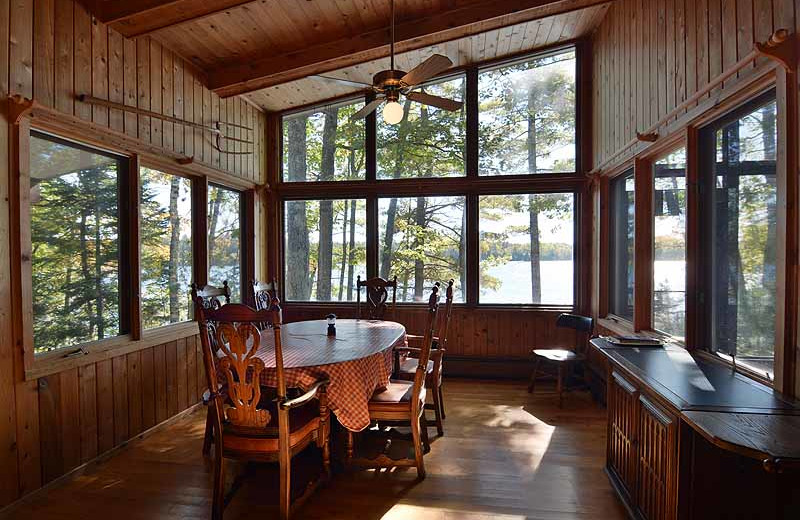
x,y
75,249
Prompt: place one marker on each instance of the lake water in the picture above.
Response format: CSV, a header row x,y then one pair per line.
x,y
558,281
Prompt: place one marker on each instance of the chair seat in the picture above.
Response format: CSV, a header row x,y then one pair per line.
x,y
557,355
396,395
302,421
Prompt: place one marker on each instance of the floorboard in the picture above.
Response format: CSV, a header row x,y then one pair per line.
x,y
505,455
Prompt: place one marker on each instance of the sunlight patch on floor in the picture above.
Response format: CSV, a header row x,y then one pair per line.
x,y
405,511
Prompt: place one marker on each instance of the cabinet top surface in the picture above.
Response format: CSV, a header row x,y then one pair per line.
x,y
690,382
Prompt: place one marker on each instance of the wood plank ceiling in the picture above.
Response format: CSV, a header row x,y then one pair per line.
x,y
268,47
491,45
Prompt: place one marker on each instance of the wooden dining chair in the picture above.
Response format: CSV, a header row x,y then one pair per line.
x,y
211,296
265,297
249,425
263,293
403,402
563,359
377,295
406,368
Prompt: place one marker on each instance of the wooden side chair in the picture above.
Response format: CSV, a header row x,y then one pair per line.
x,y
377,295
563,359
248,425
403,402
211,296
406,369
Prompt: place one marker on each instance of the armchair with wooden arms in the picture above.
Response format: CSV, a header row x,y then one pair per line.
x,y
403,402
209,297
377,295
249,426
405,369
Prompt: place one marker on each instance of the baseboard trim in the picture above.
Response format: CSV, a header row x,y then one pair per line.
x,y
488,368
79,470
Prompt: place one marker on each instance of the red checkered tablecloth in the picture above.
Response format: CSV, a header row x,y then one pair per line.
x,y
358,361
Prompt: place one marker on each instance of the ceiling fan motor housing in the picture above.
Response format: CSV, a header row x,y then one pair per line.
x,y
389,82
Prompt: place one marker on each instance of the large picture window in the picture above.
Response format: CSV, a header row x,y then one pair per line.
x,y
324,144
225,239
741,204
527,116
75,238
669,245
621,232
527,249
422,241
325,249
165,233
428,142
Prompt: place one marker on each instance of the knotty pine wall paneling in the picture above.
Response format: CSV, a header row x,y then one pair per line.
x,y
53,50
651,55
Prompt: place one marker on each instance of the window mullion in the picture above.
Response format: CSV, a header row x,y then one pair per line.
x,y
130,253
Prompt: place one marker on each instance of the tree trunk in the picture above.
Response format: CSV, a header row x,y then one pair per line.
x,y
328,164
174,250
84,245
535,248
419,265
351,261
212,230
298,283
343,264
768,132
391,213
98,263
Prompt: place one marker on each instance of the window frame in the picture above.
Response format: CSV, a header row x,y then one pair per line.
x,y
73,133
245,243
628,169
470,186
705,156
144,163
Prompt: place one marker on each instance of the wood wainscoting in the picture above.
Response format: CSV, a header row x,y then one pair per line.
x,y
489,342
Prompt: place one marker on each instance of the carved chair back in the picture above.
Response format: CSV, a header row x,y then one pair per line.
x,y
264,293
265,297
427,343
212,296
377,296
236,332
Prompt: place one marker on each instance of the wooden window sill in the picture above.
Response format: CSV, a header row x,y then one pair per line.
x,y
54,362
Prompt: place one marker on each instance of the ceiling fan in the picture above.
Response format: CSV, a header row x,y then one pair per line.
x,y
389,85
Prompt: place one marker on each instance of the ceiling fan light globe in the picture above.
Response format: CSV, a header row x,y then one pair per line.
x,y
393,112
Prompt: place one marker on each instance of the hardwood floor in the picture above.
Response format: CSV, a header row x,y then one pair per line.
x,y
505,454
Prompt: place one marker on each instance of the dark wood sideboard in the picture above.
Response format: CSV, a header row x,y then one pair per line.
x,y
688,438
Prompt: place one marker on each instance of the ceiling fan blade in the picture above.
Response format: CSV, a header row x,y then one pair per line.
x,y
342,81
367,110
429,68
435,101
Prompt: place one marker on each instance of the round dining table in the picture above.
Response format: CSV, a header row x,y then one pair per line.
x,y
357,361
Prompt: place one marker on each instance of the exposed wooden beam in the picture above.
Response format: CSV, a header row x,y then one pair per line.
x,y
434,28
134,18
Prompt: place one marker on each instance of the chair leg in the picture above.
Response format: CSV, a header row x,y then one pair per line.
x,y
349,449
426,443
560,384
437,409
418,453
286,487
209,435
535,372
218,503
441,401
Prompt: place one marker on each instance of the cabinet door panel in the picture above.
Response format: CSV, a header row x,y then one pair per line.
x,y
623,405
656,462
